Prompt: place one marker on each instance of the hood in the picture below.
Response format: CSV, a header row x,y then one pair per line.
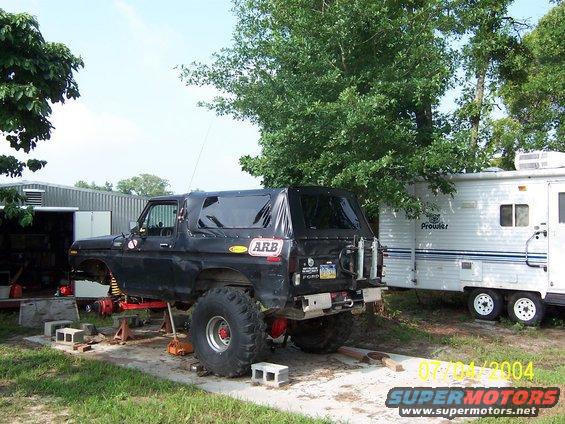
x,y
103,242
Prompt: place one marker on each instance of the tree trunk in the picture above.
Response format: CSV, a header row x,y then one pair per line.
x,y
479,96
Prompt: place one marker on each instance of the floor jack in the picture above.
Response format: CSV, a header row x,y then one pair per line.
x,y
176,347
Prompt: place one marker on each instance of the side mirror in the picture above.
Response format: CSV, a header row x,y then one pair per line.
x,y
133,226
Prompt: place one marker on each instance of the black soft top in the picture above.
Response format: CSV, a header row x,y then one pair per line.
x,y
286,213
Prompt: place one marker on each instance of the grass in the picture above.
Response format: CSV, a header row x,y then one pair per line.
x,y
45,385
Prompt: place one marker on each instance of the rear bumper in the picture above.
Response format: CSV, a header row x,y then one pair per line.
x,y
319,304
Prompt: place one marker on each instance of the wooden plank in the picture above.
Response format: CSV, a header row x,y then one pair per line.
x,y
392,364
35,312
353,353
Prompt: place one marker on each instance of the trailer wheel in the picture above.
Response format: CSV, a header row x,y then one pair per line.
x,y
228,331
526,308
485,304
324,334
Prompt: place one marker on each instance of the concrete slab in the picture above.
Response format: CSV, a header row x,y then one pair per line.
x,y
327,386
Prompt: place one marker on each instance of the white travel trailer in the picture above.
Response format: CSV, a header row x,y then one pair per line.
x,y
500,237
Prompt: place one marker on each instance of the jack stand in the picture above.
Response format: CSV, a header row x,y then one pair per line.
x,y
176,347
124,333
166,325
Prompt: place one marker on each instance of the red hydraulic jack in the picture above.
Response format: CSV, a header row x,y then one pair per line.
x,y
176,347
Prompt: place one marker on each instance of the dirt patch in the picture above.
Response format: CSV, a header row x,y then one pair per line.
x,y
32,409
348,396
430,324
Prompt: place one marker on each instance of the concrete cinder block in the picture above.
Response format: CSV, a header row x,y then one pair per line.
x,y
133,319
89,329
69,336
268,374
50,327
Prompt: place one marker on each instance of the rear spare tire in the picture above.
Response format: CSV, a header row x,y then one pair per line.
x,y
526,308
485,304
324,334
228,331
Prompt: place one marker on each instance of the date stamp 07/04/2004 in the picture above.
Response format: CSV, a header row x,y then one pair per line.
x,y
431,370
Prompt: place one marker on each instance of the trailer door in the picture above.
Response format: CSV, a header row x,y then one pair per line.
x,y
556,238
92,224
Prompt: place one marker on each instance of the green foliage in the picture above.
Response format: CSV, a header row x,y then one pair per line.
x,y
345,94
12,200
33,75
108,186
534,90
144,185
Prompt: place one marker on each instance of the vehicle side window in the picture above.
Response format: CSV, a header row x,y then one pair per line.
x,y
235,212
324,212
160,220
514,215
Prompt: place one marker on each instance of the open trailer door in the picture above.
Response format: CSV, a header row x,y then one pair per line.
x,y
92,224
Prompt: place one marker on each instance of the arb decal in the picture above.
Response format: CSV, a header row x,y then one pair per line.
x,y
265,247
238,249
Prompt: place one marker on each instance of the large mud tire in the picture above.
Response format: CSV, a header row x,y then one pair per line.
x,y
324,334
227,331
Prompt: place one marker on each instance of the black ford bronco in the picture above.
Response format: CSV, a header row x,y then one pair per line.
x,y
255,265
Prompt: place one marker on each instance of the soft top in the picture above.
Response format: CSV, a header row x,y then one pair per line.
x,y
287,210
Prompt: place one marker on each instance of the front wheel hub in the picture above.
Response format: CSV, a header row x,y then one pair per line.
x,y
218,334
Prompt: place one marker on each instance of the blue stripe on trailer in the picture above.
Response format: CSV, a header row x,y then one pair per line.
x,y
487,256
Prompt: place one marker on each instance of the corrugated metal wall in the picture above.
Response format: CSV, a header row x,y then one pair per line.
x,y
125,208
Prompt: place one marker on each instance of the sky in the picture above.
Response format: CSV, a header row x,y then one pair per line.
x,y
134,114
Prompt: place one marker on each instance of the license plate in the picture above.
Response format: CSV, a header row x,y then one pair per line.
x,y
327,272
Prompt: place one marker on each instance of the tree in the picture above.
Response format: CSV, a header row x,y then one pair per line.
x,y
34,74
93,186
534,89
492,37
345,94
144,185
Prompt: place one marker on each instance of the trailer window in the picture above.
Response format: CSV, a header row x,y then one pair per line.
x,y
561,208
235,212
514,215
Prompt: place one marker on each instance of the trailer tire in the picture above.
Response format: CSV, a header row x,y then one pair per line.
x,y
526,308
228,331
485,304
324,334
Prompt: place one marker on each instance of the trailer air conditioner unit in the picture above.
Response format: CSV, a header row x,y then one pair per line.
x,y
539,160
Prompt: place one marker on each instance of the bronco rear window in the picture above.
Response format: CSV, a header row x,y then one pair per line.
x,y
235,212
327,212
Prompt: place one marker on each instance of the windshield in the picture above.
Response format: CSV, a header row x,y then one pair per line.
x,y
328,212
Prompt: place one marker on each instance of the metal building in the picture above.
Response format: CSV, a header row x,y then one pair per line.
x,y
123,208
36,256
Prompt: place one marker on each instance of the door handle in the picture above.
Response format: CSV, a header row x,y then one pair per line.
x,y
163,245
